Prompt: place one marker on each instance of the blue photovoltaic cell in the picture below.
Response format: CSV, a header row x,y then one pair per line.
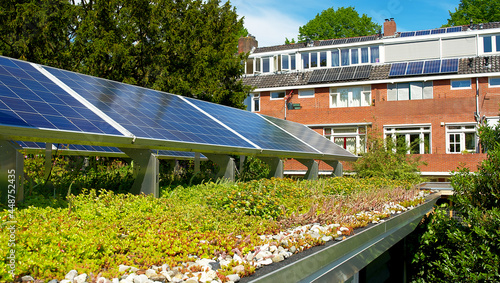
x,y
449,66
453,29
254,128
29,99
438,31
423,32
407,34
432,67
415,68
148,113
398,69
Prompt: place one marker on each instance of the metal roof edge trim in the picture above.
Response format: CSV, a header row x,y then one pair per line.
x,y
342,260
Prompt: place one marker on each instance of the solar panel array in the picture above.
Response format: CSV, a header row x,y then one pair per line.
x,y
431,31
347,40
340,74
424,67
36,99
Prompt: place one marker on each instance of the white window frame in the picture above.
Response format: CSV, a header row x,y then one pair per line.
x,y
408,130
494,47
255,97
289,59
305,93
461,129
365,96
357,132
277,98
460,87
495,78
427,91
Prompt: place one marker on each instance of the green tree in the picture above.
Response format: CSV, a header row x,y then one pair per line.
x,y
340,23
186,47
389,159
468,250
479,11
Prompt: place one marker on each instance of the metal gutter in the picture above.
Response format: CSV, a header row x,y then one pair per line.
x,y
341,261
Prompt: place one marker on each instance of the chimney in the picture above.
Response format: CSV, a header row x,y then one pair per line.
x,y
247,44
389,27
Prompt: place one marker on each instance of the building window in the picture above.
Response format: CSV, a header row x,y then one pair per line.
x,y
491,43
352,139
409,91
305,60
322,59
354,56
461,138
416,138
277,95
494,82
350,97
375,57
335,58
305,93
287,62
345,57
364,55
255,102
265,65
460,84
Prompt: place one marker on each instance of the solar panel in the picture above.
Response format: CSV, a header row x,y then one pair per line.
x,y
347,73
148,113
432,67
362,72
368,38
339,41
332,74
415,68
317,76
304,133
253,127
407,34
438,31
449,66
422,32
326,42
398,69
30,99
454,29
353,39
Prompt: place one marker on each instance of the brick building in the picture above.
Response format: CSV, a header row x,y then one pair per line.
x,y
431,88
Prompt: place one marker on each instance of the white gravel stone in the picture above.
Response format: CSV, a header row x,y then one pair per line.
x,y
123,268
233,277
80,278
150,273
71,275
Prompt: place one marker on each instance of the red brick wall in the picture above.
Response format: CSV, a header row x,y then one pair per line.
x,y
447,106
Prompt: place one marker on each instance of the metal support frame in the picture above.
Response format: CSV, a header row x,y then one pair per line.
x,y
338,169
276,166
312,168
197,162
226,164
11,172
147,174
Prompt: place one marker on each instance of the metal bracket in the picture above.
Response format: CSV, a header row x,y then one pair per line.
x,y
147,176
312,168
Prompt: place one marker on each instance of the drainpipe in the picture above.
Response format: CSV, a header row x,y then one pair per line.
x,y
477,114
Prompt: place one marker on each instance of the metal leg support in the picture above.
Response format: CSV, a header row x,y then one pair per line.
x,y
147,177
338,169
226,164
312,168
11,172
276,165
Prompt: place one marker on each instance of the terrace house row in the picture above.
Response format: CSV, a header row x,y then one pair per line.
x,y
430,88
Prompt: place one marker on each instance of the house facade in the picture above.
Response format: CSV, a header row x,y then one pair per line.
x,y
429,88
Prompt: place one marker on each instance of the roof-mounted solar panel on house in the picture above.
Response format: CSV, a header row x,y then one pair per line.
x,y
317,76
438,31
362,72
432,67
415,68
347,73
422,32
449,66
398,69
332,74
407,34
454,29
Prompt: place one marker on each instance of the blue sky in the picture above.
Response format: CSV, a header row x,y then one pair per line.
x,y
271,21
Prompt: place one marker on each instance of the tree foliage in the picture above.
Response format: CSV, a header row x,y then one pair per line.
x,y
479,11
340,23
186,47
468,250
